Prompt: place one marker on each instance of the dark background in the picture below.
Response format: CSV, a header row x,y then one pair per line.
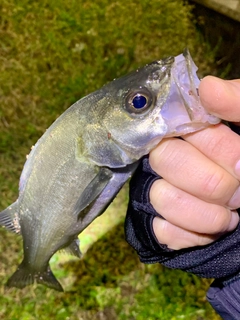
x,y
222,33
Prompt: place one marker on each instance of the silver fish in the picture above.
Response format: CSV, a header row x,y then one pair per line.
x,y
81,162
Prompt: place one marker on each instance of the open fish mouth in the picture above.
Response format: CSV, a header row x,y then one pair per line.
x,y
182,110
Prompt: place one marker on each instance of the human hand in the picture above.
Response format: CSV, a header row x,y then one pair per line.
x,y
200,190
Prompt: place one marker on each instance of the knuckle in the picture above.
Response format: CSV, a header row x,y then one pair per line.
x,y
164,232
158,192
218,145
166,150
156,155
221,221
215,185
203,240
160,228
155,190
170,235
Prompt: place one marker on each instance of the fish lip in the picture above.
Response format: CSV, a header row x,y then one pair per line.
x,y
183,111
193,90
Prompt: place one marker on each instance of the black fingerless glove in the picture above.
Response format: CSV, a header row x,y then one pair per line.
x,y
216,260
219,260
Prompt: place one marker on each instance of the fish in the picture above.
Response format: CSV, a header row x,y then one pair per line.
x,y
84,158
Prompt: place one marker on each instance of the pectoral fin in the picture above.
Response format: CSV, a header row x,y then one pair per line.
x,y
92,191
108,193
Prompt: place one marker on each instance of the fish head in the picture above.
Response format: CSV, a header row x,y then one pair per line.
x,y
135,122
157,101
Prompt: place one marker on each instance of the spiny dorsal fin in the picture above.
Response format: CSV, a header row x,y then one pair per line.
x,y
9,218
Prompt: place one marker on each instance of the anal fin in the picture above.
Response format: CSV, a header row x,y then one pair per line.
x,y
73,248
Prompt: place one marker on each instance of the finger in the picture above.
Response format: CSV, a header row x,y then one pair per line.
x,y
177,238
190,213
221,97
220,144
185,167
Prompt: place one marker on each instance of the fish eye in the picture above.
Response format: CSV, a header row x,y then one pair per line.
x,y
138,101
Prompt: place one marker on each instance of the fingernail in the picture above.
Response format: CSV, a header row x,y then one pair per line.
x,y
234,221
234,202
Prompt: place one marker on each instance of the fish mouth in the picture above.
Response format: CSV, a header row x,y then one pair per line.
x,y
183,111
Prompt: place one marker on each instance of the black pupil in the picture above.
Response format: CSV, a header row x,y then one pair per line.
x,y
139,101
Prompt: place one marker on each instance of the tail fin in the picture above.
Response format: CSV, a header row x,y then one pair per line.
x,y
24,277
9,218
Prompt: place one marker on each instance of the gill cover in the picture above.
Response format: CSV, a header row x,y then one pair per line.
x,y
131,123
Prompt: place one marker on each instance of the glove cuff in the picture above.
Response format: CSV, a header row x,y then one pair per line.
x,y
224,296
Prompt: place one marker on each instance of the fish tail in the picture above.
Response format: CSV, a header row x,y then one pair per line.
x,y
48,279
24,277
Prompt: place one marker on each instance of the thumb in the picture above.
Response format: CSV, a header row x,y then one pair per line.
x,y
221,97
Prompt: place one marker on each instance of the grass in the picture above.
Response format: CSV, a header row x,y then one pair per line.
x,y
51,54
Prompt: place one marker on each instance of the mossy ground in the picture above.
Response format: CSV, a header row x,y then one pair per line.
x,y
51,54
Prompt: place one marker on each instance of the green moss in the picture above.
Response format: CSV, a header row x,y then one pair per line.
x,y
52,53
